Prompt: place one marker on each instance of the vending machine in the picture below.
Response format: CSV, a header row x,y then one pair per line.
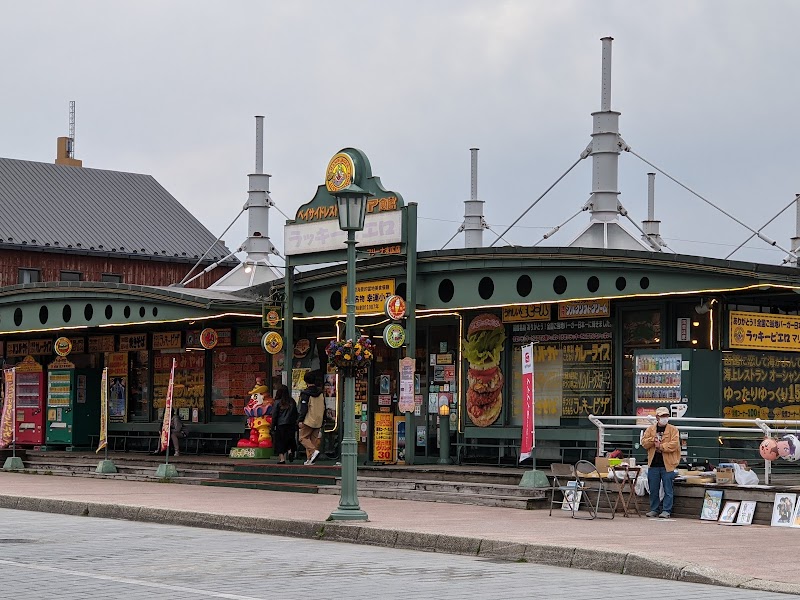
x,y
686,381
29,401
73,404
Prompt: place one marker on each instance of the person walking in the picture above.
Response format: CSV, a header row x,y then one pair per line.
x,y
310,415
176,432
284,425
663,444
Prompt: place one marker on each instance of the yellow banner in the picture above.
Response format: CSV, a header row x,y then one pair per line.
x,y
383,437
103,441
370,295
167,424
584,309
526,312
7,419
763,331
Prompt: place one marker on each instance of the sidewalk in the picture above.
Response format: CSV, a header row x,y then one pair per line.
x,y
754,557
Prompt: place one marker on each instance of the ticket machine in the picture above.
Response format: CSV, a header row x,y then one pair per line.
x,y
29,402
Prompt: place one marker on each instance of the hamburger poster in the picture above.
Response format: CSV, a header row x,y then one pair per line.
x,y
486,337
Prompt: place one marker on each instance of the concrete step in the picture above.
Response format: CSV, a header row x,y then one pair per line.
x,y
143,470
449,498
273,477
187,480
263,485
442,473
490,489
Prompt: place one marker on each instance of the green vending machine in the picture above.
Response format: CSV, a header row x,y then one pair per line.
x,y
686,381
73,404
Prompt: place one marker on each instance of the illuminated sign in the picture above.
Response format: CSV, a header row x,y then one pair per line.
x,y
584,309
763,331
526,312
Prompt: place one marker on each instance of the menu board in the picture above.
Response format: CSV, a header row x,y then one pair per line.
x,y
189,387
572,369
234,374
760,385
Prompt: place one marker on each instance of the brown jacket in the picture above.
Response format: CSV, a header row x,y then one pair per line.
x,y
670,446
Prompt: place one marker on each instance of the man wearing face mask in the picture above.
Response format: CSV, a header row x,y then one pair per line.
x,y
663,445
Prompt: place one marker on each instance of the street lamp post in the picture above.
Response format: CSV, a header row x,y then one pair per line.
x,y
444,435
352,203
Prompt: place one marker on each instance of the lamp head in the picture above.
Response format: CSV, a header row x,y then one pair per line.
x,y
352,204
444,410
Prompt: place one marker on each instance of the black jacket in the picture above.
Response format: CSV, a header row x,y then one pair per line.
x,y
307,393
284,416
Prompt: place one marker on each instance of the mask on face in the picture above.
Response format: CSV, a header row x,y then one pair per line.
x,y
663,420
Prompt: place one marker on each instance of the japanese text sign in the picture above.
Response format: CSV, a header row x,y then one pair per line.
x,y
763,331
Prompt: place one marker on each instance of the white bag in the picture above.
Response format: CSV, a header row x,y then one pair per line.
x,y
743,476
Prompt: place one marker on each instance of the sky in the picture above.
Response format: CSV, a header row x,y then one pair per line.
x,y
707,91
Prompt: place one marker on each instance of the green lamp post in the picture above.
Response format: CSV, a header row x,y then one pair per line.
x,y
444,435
352,204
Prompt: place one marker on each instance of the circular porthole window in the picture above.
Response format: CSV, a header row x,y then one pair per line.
x,y
486,288
309,304
127,312
621,283
109,312
43,315
155,311
560,285
336,300
88,312
593,284
66,313
446,290
644,283
18,317
524,285
401,291
141,311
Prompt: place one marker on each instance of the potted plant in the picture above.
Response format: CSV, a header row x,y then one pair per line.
x,y
351,358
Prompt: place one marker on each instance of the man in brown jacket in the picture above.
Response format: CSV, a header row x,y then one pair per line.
x,y
663,445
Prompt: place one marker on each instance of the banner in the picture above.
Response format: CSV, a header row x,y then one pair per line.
x,y
167,425
528,442
103,441
7,419
761,331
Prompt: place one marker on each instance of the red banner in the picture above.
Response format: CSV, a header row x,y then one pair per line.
x,y
528,442
7,420
165,427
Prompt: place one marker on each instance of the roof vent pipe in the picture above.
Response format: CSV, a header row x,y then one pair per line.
x,y
796,238
651,226
473,208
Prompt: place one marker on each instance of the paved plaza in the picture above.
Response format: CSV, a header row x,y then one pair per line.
x,y
500,540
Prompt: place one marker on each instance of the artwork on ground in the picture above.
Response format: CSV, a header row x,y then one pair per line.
x,y
728,513
783,509
746,512
712,502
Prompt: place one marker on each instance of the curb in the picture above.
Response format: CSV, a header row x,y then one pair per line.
x,y
542,554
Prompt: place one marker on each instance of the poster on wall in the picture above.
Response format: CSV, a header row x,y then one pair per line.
x,y
760,385
383,437
117,363
485,341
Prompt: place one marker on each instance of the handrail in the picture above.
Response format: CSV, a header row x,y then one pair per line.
x,y
767,427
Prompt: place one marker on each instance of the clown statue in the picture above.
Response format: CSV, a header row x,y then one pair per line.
x,y
259,417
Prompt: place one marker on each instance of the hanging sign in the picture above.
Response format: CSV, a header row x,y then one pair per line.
x,y
208,338
521,313
406,400
133,342
584,309
683,334
167,340
528,431
371,295
394,335
272,342
395,307
760,331
62,346
271,317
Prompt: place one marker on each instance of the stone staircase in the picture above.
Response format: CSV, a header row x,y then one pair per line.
x,y
279,478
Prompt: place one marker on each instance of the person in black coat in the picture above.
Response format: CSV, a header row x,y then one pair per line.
x,y
284,425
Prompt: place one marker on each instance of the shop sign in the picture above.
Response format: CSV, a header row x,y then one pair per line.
x,y
35,347
763,331
526,312
395,307
271,316
394,335
78,345
62,346
340,172
133,342
390,249
208,338
272,342
382,437
166,340
301,348
406,401
248,336
371,295
584,309
380,229
117,364
29,365
683,330
444,359
224,337
101,343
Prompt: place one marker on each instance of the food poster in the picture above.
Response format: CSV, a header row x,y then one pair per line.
x,y
234,372
482,348
329,388
189,387
117,363
298,383
383,437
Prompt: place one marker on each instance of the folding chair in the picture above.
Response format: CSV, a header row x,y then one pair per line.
x,y
564,481
590,482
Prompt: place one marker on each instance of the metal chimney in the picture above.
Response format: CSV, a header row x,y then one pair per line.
x,y
473,209
651,226
796,238
604,230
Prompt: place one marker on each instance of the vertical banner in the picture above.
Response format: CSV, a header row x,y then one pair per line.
x,y
406,402
167,425
103,441
7,419
528,442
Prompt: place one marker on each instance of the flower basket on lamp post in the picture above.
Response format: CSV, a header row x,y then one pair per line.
x,y
351,358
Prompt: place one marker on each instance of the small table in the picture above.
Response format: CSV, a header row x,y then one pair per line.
x,y
626,493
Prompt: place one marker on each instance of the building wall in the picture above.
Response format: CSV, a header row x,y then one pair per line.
x,y
151,272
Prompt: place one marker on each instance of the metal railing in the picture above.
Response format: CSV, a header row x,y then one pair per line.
x,y
715,428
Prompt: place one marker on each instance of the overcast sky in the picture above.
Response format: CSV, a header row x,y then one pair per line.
x,y
707,90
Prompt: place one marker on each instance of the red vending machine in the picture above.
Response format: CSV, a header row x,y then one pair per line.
x,y
30,402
